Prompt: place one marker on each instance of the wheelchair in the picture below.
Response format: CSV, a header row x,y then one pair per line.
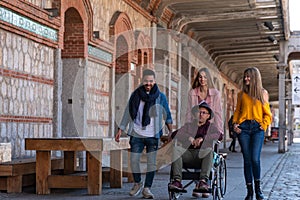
x,y
217,179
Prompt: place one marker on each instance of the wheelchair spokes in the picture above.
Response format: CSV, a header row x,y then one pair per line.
x,y
222,176
220,179
215,189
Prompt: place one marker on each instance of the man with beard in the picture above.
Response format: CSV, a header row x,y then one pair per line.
x,y
196,141
145,113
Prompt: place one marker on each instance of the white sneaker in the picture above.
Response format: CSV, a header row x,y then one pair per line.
x,y
136,189
147,194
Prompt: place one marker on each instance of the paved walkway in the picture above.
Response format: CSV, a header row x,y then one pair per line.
x,y
280,180
287,176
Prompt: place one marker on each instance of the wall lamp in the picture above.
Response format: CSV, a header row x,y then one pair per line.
x,y
269,25
96,34
271,38
53,12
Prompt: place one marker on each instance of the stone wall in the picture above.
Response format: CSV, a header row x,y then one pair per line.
x,y
98,99
103,11
41,3
26,84
5,152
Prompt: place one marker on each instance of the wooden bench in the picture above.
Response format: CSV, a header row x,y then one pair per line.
x,y
92,179
21,172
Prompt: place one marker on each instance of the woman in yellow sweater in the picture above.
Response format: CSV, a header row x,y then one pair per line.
x,y
251,119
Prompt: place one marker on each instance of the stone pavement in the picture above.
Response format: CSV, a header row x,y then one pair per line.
x,y
287,176
280,180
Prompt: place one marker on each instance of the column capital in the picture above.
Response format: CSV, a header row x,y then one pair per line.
x,y
282,67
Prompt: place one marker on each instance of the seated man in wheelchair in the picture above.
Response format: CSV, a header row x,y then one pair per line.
x,y
195,148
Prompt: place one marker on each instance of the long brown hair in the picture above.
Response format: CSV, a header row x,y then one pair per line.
x,y
255,88
209,80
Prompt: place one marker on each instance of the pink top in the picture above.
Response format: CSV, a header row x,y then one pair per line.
x,y
213,99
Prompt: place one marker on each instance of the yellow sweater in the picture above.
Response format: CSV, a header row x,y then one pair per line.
x,y
249,109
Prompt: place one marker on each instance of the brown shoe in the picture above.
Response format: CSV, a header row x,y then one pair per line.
x,y
202,186
175,185
205,195
196,194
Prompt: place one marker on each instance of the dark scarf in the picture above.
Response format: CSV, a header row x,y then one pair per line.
x,y
149,99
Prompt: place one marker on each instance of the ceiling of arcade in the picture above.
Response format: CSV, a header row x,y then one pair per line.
x,y
236,33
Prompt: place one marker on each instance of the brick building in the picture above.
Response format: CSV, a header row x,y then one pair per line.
x,y
68,66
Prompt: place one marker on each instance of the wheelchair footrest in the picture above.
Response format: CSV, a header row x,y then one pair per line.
x,y
177,190
202,190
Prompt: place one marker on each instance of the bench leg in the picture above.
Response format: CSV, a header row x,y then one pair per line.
x,y
69,162
43,170
94,172
116,169
14,184
129,173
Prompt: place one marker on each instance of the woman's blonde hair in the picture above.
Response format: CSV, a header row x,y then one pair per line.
x,y
255,88
209,79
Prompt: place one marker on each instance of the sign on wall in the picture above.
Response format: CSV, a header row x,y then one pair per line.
x,y
296,89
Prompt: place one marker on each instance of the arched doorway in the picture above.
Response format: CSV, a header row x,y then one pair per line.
x,y
143,52
122,77
73,75
122,36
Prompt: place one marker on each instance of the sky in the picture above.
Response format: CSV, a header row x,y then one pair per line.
x,y
294,6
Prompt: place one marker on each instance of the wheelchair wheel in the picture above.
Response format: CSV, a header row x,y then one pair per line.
x,y
222,177
215,189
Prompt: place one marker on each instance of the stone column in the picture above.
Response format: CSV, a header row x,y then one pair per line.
x,y
184,83
154,41
289,113
113,124
57,92
168,68
290,121
282,106
179,62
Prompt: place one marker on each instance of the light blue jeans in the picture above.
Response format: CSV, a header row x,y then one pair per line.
x,y
251,140
137,146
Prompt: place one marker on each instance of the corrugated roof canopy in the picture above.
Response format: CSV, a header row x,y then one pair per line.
x,y
235,33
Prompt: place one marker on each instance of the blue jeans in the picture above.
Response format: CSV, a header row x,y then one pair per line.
x,y
137,146
251,140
